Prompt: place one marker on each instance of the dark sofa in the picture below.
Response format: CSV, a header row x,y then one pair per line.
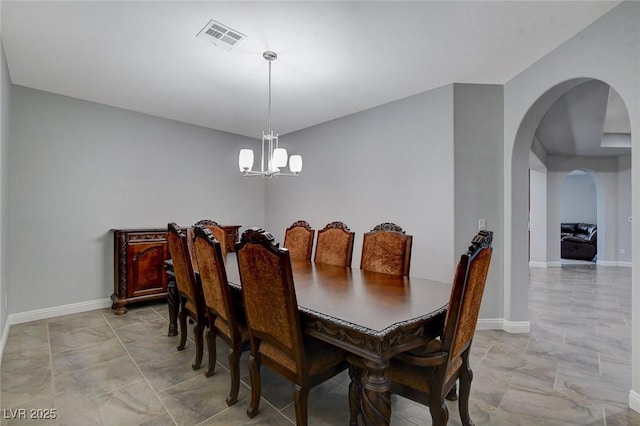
x,y
578,241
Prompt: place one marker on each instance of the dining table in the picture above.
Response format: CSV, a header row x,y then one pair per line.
x,y
369,314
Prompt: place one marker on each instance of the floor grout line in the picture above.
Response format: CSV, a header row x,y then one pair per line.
x,y
53,383
142,374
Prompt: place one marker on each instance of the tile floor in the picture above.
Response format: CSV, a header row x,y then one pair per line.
x,y
95,368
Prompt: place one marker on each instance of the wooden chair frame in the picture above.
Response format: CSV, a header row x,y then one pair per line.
x,y
296,350
191,298
225,320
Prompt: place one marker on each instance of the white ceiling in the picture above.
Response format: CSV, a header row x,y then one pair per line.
x,y
335,58
582,120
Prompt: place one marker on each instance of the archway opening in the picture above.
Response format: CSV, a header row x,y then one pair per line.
x,y
579,218
574,294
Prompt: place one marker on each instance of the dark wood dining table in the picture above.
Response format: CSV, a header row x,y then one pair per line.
x,y
369,314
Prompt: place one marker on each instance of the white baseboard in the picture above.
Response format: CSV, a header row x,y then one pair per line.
x,y
516,326
537,264
634,401
58,311
489,324
614,263
502,324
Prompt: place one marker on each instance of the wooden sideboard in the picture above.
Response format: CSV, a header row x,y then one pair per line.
x,y
139,256
139,276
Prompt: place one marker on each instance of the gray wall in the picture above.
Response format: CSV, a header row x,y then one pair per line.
x,y
606,50
5,93
393,163
478,133
538,217
78,169
624,210
579,202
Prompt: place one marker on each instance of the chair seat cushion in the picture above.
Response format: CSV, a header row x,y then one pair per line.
x,y
415,377
320,356
408,375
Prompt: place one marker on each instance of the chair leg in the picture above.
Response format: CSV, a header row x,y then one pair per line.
x,y
301,397
198,332
437,406
355,394
211,348
452,395
182,319
466,376
234,371
254,373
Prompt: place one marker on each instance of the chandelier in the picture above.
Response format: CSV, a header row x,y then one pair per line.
x,y
273,157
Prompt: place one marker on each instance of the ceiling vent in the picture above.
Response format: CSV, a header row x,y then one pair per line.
x,y
220,35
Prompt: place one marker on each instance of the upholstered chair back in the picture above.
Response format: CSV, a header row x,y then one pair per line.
x,y
213,276
217,231
334,245
183,268
466,296
270,300
298,239
386,248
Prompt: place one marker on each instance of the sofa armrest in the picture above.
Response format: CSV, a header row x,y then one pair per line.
x,y
575,239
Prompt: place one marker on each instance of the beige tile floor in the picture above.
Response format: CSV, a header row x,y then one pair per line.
x,y
95,368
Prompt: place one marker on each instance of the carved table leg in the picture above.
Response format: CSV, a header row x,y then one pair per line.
x,y
376,395
173,300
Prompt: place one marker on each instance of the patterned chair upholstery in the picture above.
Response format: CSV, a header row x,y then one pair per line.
x,y
334,245
192,300
298,239
386,248
429,374
275,332
225,319
217,231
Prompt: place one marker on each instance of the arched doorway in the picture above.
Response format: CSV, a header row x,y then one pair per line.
x,y
611,209
579,218
517,267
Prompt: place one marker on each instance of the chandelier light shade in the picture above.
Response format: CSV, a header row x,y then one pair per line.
x,y
273,157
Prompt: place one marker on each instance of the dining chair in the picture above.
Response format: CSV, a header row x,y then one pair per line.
x,y
298,239
428,375
217,231
334,245
386,248
191,298
225,319
275,332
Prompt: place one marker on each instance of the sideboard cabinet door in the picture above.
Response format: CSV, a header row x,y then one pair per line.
x,y
145,268
139,275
